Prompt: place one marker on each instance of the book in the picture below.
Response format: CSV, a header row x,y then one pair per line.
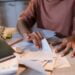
x,y
6,52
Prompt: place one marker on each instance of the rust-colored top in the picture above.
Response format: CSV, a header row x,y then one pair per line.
x,y
56,15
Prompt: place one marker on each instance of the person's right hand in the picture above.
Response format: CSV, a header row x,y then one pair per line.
x,y
35,37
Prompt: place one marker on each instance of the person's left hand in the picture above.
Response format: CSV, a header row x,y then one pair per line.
x,y
66,46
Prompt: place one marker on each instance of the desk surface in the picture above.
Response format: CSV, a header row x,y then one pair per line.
x,y
64,71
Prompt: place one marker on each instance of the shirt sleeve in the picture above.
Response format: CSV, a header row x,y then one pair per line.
x,y
29,15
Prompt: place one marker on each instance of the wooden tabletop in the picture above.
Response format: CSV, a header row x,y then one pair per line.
x,y
66,71
63,71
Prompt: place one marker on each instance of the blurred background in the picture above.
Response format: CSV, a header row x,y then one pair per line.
x,y
10,10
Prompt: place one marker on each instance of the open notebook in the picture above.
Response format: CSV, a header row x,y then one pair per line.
x,y
8,61
6,52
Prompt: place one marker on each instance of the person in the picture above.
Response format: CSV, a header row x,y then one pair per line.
x,y
56,15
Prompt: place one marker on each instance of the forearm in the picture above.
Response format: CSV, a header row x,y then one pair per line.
x,y
22,28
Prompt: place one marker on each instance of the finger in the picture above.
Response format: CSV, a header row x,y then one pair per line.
x,y
37,38
65,40
73,47
40,35
56,43
36,43
37,35
61,46
27,37
67,49
73,53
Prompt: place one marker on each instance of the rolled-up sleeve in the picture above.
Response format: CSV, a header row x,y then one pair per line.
x,y
29,15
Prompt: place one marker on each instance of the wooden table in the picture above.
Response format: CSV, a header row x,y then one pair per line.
x,y
64,71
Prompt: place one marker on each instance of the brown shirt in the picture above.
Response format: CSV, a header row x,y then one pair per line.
x,y
56,15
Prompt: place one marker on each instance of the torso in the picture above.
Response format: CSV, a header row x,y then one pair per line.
x,y
55,15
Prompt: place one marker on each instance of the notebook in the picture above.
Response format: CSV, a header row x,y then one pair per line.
x,y
8,61
6,52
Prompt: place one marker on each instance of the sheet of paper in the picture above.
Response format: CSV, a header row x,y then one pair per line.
x,y
50,65
46,47
33,53
58,63
62,62
8,67
28,59
40,56
33,65
46,53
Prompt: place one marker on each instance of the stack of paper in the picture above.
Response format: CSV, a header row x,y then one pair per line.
x,y
43,59
33,53
40,59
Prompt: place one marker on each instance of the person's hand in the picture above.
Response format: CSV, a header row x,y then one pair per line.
x,y
35,37
66,46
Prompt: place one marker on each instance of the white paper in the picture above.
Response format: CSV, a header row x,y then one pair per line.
x,y
50,65
62,62
8,67
33,65
45,54
29,57
46,46
33,53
